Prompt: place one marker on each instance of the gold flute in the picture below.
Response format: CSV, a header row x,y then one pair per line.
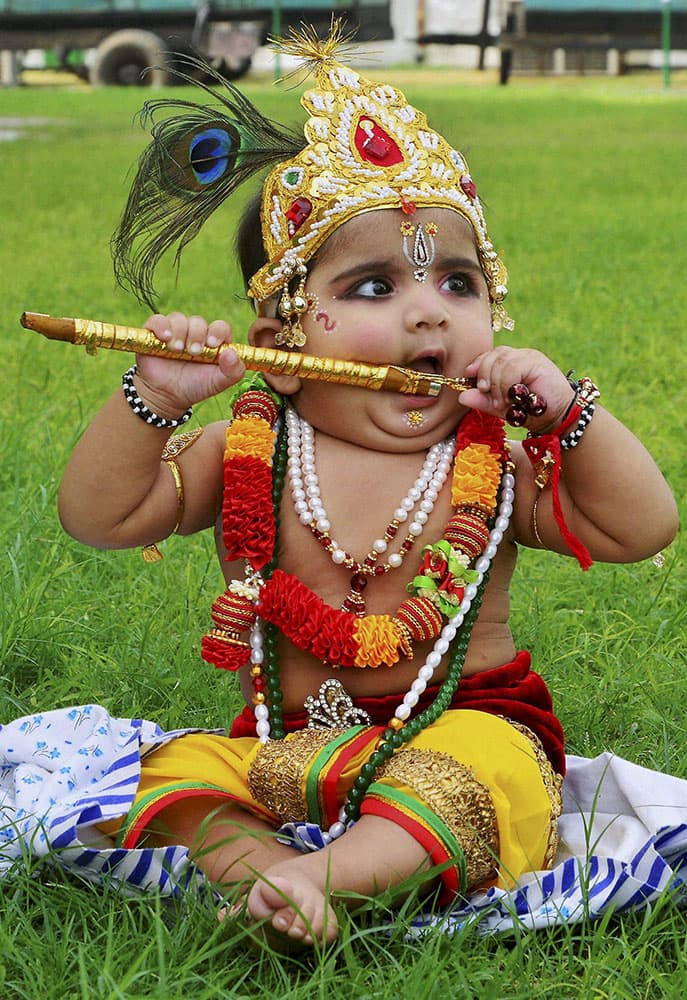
x,y
112,336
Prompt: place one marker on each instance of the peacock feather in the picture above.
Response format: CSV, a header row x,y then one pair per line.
x,y
198,156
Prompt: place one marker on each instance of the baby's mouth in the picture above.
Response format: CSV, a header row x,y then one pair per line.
x,y
430,364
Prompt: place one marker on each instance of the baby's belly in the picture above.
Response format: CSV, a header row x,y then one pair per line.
x,y
491,645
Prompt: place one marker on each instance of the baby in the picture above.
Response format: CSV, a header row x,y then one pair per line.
x,y
367,539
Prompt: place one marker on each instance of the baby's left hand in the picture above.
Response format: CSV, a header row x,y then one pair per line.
x,y
499,369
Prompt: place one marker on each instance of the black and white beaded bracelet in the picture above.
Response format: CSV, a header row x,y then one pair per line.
x,y
572,439
142,411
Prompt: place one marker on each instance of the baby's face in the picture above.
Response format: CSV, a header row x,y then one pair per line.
x,y
389,288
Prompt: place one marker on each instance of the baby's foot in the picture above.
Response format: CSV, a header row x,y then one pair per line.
x,y
293,908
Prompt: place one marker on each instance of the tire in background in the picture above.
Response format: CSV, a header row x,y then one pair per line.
x,y
130,58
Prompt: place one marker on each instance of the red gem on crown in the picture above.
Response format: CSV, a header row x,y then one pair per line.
x,y
468,185
297,213
375,145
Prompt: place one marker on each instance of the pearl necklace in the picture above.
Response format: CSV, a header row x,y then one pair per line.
x,y
307,500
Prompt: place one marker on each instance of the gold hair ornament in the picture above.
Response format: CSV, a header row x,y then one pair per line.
x,y
390,378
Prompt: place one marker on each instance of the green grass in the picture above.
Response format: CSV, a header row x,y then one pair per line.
x,y
584,184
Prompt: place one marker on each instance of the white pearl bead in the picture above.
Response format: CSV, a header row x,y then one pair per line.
x,y
379,545
262,728
313,491
298,494
496,536
457,620
305,517
338,556
261,712
431,496
257,656
482,564
401,515
501,523
441,646
323,524
427,506
490,551
421,517
434,659
407,504
255,639
410,699
509,495
509,480
337,830
425,673
415,528
418,686
506,509
300,506
342,817
471,591
403,712
448,632
465,605
395,560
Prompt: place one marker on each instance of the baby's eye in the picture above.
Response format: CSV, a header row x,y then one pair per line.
x,y
457,284
372,288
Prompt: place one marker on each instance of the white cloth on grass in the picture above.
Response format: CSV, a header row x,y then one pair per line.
x,y
623,830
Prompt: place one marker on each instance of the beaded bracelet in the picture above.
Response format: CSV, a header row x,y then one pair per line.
x,y
583,421
142,411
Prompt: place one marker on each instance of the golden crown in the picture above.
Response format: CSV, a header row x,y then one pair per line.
x,y
366,148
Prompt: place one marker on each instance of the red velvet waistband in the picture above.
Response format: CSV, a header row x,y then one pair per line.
x,y
512,690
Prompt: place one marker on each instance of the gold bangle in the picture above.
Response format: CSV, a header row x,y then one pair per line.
x,y
535,527
179,486
173,448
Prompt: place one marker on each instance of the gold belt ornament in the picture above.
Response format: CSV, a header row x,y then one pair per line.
x,y
113,336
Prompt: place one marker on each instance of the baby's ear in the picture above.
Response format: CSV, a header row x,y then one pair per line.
x,y
261,334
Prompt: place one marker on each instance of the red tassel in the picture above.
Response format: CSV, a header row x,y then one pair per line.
x,y
223,652
536,448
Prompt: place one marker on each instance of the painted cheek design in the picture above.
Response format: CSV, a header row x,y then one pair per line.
x,y
320,315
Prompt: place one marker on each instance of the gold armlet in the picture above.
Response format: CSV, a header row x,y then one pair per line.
x,y
174,447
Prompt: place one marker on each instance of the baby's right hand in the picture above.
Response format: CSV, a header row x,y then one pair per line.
x,y
169,387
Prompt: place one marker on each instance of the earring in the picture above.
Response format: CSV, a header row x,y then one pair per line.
x,y
291,308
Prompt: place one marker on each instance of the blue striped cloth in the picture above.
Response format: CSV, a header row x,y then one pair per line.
x,y
623,831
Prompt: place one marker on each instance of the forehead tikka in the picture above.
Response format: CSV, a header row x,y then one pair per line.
x,y
422,251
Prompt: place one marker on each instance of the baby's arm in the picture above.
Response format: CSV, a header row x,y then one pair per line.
x,y
116,492
613,496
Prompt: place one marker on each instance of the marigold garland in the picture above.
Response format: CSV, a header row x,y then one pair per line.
x,y
343,638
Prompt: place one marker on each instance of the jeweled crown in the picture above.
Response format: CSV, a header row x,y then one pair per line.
x,y
366,148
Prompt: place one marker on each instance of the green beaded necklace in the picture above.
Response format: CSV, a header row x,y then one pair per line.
x,y
391,739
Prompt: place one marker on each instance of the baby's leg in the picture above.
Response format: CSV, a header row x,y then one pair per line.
x,y
229,844
292,895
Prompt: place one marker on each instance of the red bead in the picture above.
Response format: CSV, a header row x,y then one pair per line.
x,y
379,571
259,683
536,404
518,393
391,531
358,582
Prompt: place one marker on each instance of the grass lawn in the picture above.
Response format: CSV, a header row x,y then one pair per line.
x,y
584,184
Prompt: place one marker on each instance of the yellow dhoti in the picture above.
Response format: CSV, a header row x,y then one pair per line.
x,y
471,786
